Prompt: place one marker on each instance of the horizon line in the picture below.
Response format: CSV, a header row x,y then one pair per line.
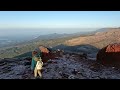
x,y
58,27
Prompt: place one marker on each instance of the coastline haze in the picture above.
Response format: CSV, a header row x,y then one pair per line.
x,y
43,31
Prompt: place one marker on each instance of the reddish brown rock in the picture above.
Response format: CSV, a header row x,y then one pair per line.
x,y
46,53
44,49
109,55
113,48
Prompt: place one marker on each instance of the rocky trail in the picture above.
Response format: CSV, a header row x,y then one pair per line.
x,y
64,67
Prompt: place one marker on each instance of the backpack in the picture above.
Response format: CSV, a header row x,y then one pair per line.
x,y
33,64
39,64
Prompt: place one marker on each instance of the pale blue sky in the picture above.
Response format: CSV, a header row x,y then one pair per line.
x,y
15,22
59,19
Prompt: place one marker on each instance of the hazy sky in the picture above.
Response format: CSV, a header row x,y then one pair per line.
x,y
10,21
59,19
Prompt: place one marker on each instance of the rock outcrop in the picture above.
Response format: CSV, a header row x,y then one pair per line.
x,y
110,55
63,66
74,67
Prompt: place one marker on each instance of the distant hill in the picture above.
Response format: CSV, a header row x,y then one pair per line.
x,y
102,30
28,46
96,31
51,36
101,38
79,42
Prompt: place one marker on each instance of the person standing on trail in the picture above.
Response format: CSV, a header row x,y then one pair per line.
x,y
38,67
39,56
36,64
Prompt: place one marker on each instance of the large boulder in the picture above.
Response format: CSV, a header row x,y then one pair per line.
x,y
46,53
44,49
110,55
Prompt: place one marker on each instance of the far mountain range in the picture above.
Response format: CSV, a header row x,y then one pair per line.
x,y
97,39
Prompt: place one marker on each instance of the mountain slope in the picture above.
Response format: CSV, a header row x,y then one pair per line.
x,y
21,48
88,41
99,39
65,67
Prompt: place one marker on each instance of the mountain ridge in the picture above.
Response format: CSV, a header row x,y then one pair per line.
x,y
99,39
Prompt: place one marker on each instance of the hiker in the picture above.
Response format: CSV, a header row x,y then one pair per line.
x,y
39,56
36,56
38,67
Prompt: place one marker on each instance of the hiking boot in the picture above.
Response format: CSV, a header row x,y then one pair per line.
x,y
38,77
